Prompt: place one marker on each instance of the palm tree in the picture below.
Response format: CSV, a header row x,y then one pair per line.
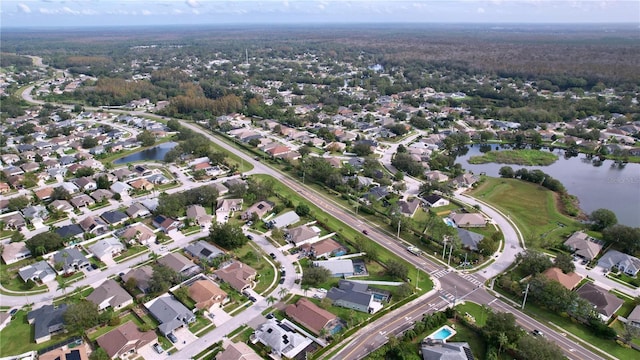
x,y
283,292
62,285
271,299
502,341
305,288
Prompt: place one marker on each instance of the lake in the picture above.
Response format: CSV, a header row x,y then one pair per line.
x,y
596,186
154,153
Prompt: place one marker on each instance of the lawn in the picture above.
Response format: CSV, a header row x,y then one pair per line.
x,y
17,337
254,257
476,342
475,310
531,207
105,329
529,157
11,281
200,323
134,250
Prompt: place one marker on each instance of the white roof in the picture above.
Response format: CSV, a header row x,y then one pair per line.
x,y
336,266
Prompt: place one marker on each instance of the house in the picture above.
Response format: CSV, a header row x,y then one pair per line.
x,y
238,351
158,179
604,303
570,280
70,231
141,184
71,260
14,221
93,225
61,205
434,200
203,250
284,220
206,294
583,245
221,188
634,318
323,249
376,193
14,252
141,276
436,175
44,193
77,353
469,239
303,234
260,209
226,207
125,340
38,272
311,315
85,183
47,320
4,188
170,313
138,232
281,339
441,350
179,263
70,187
137,210
166,224
110,294
105,249
120,188
465,180
627,264
81,201
123,174
101,194
338,268
468,220
114,217
150,203
354,296
142,170
238,275
198,214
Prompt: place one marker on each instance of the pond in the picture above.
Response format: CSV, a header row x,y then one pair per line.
x,y
151,154
596,184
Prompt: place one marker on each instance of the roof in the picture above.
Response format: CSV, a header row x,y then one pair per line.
x,y
409,207
195,211
301,234
621,260
584,245
142,275
260,208
281,339
569,280
323,247
41,270
46,318
635,315
69,257
285,219
468,219
205,290
203,249
350,292
337,267
138,231
125,338
109,291
469,238
238,351
604,302
13,250
114,217
65,353
446,351
309,314
68,231
176,262
432,199
106,247
169,312
237,274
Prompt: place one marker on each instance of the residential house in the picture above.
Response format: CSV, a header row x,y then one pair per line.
x,y
338,268
141,184
198,214
141,276
283,220
441,350
206,294
222,190
47,320
71,260
281,339
142,170
376,193
469,239
70,187
158,179
468,220
39,272
105,249
101,194
114,217
408,208
82,200
44,193
570,280
125,340
85,183
357,296
625,263
324,249
77,353
179,263
137,210
120,188
604,303
14,221
93,225
634,318
69,232
203,250
61,205
260,209
166,224
311,316
170,313
238,351
138,232
434,200
238,275
226,207
4,188
436,176
303,234
110,294
14,252
583,245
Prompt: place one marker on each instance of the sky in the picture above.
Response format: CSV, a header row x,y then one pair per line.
x,y
80,13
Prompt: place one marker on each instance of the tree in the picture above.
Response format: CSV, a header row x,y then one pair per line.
x,y
397,270
506,172
533,262
99,354
45,242
146,138
63,285
81,316
534,348
501,322
60,193
270,300
227,235
361,149
487,246
315,275
89,142
602,219
625,237
503,341
283,292
162,279
18,203
17,236
630,332
302,210
564,262
403,291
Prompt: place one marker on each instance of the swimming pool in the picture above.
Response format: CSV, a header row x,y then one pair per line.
x,y
443,333
449,222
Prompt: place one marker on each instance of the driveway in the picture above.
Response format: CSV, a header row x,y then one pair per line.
x,y
185,337
148,353
219,315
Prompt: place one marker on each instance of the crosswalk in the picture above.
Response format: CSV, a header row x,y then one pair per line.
x,y
439,273
447,296
472,279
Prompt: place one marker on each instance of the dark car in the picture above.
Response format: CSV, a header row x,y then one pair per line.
x,y
249,237
273,256
269,316
365,232
13,312
537,333
121,274
94,266
253,299
281,281
283,273
172,338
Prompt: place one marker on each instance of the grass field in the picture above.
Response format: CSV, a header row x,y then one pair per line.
x,y
17,337
531,207
529,157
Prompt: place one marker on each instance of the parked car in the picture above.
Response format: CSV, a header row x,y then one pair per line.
x,y
365,232
281,281
94,266
172,338
253,299
273,256
270,316
158,348
250,237
13,311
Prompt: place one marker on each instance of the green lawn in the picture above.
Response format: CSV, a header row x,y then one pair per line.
x,y
531,207
137,249
476,342
254,257
105,329
529,157
475,310
11,281
17,337
200,323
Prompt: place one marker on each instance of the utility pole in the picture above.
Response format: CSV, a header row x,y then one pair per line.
x,y
444,248
526,292
398,236
450,250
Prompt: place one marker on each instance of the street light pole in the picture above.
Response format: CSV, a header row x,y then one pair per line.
x,y
398,236
526,292
450,250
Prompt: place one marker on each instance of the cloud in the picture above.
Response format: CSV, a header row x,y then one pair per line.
x,y
146,12
24,8
193,3
480,10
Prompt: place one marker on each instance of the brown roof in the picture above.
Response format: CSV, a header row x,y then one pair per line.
x,y
125,338
322,247
238,351
44,193
61,352
310,315
206,293
604,302
569,280
176,262
237,274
